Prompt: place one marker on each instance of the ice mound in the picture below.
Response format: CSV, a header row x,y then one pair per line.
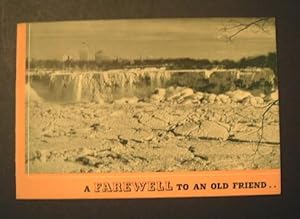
x,y
31,94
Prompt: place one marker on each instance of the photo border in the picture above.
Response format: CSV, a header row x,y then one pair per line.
x,y
73,186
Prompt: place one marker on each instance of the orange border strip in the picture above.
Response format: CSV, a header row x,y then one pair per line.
x,y
20,106
72,186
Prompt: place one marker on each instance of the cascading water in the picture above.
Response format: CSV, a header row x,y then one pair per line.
x,y
77,87
113,84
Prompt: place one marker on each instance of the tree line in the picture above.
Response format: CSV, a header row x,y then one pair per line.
x,y
262,61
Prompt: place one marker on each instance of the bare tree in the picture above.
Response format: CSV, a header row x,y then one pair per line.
x,y
236,26
233,29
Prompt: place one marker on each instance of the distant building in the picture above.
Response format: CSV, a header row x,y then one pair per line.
x,y
84,52
67,59
100,57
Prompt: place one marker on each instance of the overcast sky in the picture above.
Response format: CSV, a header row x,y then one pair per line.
x,y
148,38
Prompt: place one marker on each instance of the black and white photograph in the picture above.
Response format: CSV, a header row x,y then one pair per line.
x,y
152,95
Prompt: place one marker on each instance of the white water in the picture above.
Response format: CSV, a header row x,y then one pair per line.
x,y
78,87
113,84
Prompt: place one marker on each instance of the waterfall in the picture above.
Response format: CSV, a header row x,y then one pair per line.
x,y
77,87
109,85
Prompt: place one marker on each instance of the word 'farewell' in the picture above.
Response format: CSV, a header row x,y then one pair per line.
x,y
150,186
